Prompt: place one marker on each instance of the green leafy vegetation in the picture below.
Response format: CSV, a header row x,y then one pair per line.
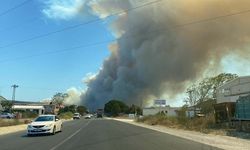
x,y
116,108
66,115
81,109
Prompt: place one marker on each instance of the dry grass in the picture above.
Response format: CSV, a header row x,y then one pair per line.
x,y
66,115
204,124
10,122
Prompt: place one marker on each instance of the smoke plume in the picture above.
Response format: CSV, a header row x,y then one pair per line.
x,y
163,46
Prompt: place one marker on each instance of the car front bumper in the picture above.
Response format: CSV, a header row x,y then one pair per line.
x,y
44,130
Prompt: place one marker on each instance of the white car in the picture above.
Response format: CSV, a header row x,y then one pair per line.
x,y
76,116
88,116
45,124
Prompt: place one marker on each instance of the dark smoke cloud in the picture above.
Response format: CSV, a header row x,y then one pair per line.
x,y
153,56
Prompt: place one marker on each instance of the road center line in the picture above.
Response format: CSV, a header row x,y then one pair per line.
x,y
68,138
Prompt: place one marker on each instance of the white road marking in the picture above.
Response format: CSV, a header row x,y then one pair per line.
x,y
68,138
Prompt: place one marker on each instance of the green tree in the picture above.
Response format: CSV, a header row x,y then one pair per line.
x,y
59,98
205,90
133,109
70,108
115,107
81,109
6,105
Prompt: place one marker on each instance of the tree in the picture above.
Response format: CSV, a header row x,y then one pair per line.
x,y
70,108
59,98
115,107
6,105
206,90
81,110
133,109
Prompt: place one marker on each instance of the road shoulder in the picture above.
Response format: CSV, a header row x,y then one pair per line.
x,y
223,142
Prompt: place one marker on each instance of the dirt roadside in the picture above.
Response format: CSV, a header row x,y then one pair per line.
x,y
12,129
223,142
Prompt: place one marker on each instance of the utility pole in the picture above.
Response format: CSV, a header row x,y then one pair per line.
x,y
14,92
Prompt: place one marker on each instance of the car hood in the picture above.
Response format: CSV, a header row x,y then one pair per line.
x,y
41,123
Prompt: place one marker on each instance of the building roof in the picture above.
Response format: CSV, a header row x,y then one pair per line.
x,y
2,98
27,107
167,107
236,79
27,103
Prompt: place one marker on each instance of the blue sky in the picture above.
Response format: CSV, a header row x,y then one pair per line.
x,y
42,76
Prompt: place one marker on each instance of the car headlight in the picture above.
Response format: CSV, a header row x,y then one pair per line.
x,y
29,126
49,125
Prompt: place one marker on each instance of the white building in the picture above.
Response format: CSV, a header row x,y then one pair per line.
x,y
169,111
38,109
232,90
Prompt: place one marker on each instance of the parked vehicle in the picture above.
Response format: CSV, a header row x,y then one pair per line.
x,y
7,115
45,124
76,116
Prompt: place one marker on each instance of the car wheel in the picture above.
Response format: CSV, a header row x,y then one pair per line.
x,y
54,130
61,128
28,135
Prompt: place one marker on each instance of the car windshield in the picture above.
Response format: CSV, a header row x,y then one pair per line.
x,y
44,118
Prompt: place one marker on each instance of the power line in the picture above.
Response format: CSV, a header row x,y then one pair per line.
x,y
77,25
14,8
14,92
152,31
58,51
212,18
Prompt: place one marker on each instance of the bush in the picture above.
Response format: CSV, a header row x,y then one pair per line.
x,y
154,119
115,107
203,124
29,114
9,122
66,115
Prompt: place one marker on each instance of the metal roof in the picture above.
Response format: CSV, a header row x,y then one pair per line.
x,y
241,77
27,107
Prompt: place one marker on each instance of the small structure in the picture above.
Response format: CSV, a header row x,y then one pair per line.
x,y
51,109
233,103
169,111
192,112
33,108
224,112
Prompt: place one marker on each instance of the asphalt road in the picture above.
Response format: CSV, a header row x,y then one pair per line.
x,y
99,134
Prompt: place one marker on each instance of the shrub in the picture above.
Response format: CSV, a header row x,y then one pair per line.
x,y
29,114
203,124
66,115
9,122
